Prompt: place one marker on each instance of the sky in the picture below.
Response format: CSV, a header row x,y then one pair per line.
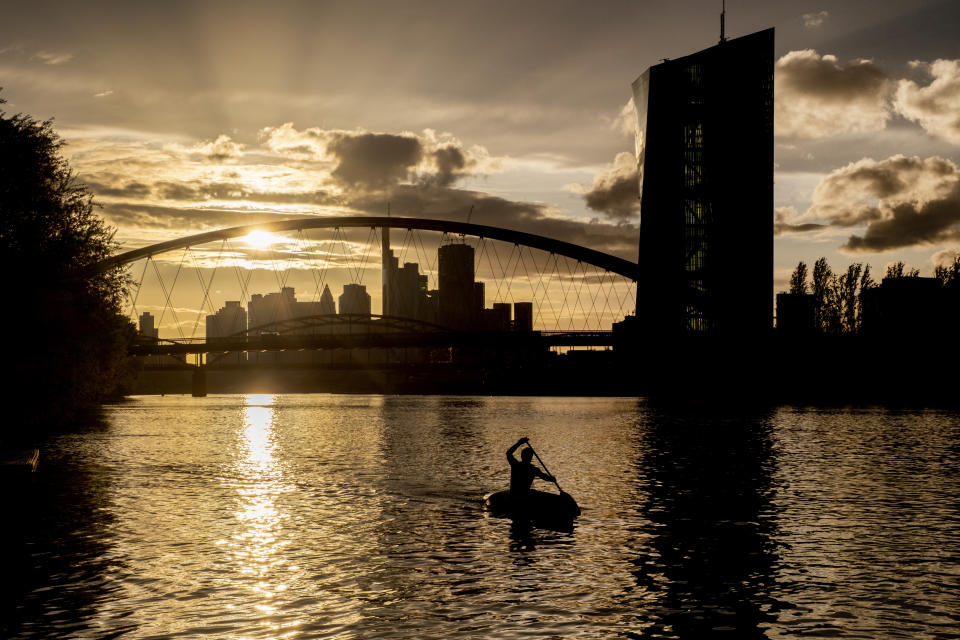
x,y
184,117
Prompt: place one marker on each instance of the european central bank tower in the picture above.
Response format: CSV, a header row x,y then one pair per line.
x,y
705,165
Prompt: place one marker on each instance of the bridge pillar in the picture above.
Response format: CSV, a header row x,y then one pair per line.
x,y
199,382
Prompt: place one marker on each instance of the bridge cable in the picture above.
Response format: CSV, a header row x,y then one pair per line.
x,y
546,285
538,318
558,276
565,286
431,263
605,289
503,289
168,294
206,289
371,238
579,275
244,282
316,272
346,257
593,302
139,286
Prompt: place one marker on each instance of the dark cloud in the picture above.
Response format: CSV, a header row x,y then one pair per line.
x,y
450,162
616,192
785,221
909,224
374,160
903,201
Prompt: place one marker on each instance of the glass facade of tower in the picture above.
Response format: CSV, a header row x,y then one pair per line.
x,y
705,165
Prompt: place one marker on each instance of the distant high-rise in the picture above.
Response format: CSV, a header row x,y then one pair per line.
x,y
271,308
523,316
327,306
705,165
355,299
147,328
458,295
229,320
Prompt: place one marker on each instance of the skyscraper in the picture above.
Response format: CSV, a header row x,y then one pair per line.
x,y
355,299
458,296
705,166
327,306
147,328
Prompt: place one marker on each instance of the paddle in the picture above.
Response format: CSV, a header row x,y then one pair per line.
x,y
545,468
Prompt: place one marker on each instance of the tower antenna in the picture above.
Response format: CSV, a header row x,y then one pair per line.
x,y
723,15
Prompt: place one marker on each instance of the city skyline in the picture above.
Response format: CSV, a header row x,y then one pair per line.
x,y
177,139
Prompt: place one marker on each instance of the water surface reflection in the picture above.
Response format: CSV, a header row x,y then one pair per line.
x,y
709,561
325,516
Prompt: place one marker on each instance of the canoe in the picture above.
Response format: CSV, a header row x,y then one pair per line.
x,y
536,506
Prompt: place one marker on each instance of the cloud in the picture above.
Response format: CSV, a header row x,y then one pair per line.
x,y
153,190
50,57
219,150
374,160
816,96
813,20
902,201
625,122
786,220
944,257
128,190
615,191
362,160
936,106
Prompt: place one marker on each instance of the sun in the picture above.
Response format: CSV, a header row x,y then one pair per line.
x,y
260,239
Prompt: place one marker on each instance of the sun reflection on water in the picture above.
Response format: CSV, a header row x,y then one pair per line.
x,y
259,543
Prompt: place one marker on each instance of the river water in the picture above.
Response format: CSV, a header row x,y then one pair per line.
x,y
344,516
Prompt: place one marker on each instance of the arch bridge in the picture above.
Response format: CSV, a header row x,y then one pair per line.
x,y
543,290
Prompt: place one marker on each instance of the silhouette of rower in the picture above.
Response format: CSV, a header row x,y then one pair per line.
x,y
522,471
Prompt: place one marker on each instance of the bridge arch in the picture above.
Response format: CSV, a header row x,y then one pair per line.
x,y
599,259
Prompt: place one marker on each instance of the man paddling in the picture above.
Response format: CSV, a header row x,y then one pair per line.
x,y
522,471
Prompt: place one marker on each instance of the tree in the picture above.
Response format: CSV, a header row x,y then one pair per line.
x,y
798,281
897,270
822,293
949,276
866,283
848,285
66,339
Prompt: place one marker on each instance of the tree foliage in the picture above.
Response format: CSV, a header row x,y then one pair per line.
x,y
949,276
798,281
67,338
838,299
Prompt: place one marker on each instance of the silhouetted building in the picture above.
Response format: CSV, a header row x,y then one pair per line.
x,y
458,295
390,303
705,166
497,318
270,308
147,328
795,313
327,306
411,293
906,306
229,320
523,316
355,300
